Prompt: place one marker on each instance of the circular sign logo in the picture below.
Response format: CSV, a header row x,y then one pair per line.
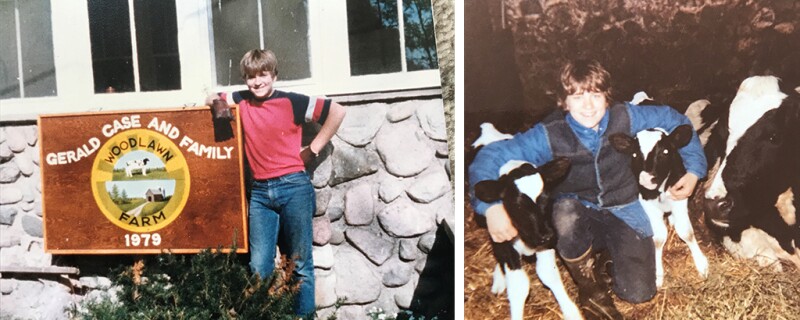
x,y
140,180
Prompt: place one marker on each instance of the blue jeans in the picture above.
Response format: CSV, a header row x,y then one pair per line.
x,y
281,210
581,228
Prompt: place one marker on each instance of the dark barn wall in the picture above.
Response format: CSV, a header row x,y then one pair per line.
x,y
491,78
677,51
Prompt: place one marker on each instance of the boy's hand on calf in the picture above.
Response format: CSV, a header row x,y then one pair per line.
x,y
499,225
684,187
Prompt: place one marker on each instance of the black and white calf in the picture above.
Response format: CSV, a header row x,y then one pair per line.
x,y
658,164
519,187
138,164
752,193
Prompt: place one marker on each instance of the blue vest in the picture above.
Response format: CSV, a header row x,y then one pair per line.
x,y
606,180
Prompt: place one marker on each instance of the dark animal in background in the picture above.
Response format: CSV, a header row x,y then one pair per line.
x,y
655,160
751,194
519,187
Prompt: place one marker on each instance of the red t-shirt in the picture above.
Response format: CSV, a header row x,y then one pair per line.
x,y
273,130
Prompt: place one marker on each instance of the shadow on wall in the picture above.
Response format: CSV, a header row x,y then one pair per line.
x,y
435,292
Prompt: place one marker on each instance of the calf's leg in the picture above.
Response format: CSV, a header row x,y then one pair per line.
x,y
683,226
518,285
548,273
498,280
656,217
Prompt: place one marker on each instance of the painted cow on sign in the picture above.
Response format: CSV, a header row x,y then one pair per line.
x,y
658,164
522,189
138,164
751,196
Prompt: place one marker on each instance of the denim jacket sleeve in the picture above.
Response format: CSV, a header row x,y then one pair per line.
x,y
531,145
645,117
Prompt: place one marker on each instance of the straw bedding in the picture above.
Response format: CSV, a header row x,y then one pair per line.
x,y
735,289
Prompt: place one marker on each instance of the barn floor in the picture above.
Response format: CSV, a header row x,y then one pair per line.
x,y
735,289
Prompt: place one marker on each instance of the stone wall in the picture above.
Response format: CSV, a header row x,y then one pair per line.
x,y
21,234
383,190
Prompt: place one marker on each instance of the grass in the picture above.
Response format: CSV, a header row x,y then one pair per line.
x,y
152,174
133,203
153,207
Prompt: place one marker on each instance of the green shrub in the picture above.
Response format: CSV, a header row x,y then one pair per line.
x,y
209,285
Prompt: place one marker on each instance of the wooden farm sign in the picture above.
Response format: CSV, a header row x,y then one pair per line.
x,y
141,182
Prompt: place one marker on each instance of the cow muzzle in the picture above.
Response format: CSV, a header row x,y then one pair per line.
x,y
718,210
647,180
545,238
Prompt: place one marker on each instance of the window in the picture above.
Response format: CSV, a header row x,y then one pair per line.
x,y
55,53
26,54
277,25
383,41
144,60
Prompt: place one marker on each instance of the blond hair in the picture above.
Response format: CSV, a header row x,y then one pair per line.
x,y
256,61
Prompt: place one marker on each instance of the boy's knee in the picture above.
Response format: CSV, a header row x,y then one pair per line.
x,y
565,215
637,294
635,287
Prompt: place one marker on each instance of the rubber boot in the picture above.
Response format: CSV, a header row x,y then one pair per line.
x,y
605,268
593,292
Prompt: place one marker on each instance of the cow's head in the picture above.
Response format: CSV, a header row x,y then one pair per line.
x,y
759,151
654,155
520,188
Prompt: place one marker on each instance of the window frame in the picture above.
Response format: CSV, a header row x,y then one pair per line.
x,y
24,62
328,50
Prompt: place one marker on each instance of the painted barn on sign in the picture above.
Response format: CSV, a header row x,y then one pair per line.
x,y
383,183
155,194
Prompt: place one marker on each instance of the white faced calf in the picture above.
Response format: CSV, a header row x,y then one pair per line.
x,y
658,165
519,187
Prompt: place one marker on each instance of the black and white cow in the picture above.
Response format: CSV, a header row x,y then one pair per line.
x,y
138,164
751,195
519,187
658,164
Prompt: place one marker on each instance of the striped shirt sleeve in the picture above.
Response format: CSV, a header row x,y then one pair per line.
x,y
310,108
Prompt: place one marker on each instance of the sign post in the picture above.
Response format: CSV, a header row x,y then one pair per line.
x,y
141,182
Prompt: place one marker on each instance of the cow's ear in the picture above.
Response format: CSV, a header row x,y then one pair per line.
x,y
681,135
526,169
555,169
789,111
623,143
488,190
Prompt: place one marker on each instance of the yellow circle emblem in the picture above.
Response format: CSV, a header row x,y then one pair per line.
x,y
140,180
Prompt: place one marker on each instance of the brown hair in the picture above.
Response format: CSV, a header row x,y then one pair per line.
x,y
256,61
584,75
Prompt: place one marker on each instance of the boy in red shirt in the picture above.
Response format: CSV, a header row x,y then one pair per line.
x,y
282,200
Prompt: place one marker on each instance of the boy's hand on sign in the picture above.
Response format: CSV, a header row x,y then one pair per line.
x,y
221,110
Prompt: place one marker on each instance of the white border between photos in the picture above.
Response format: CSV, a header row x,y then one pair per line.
x,y
458,141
